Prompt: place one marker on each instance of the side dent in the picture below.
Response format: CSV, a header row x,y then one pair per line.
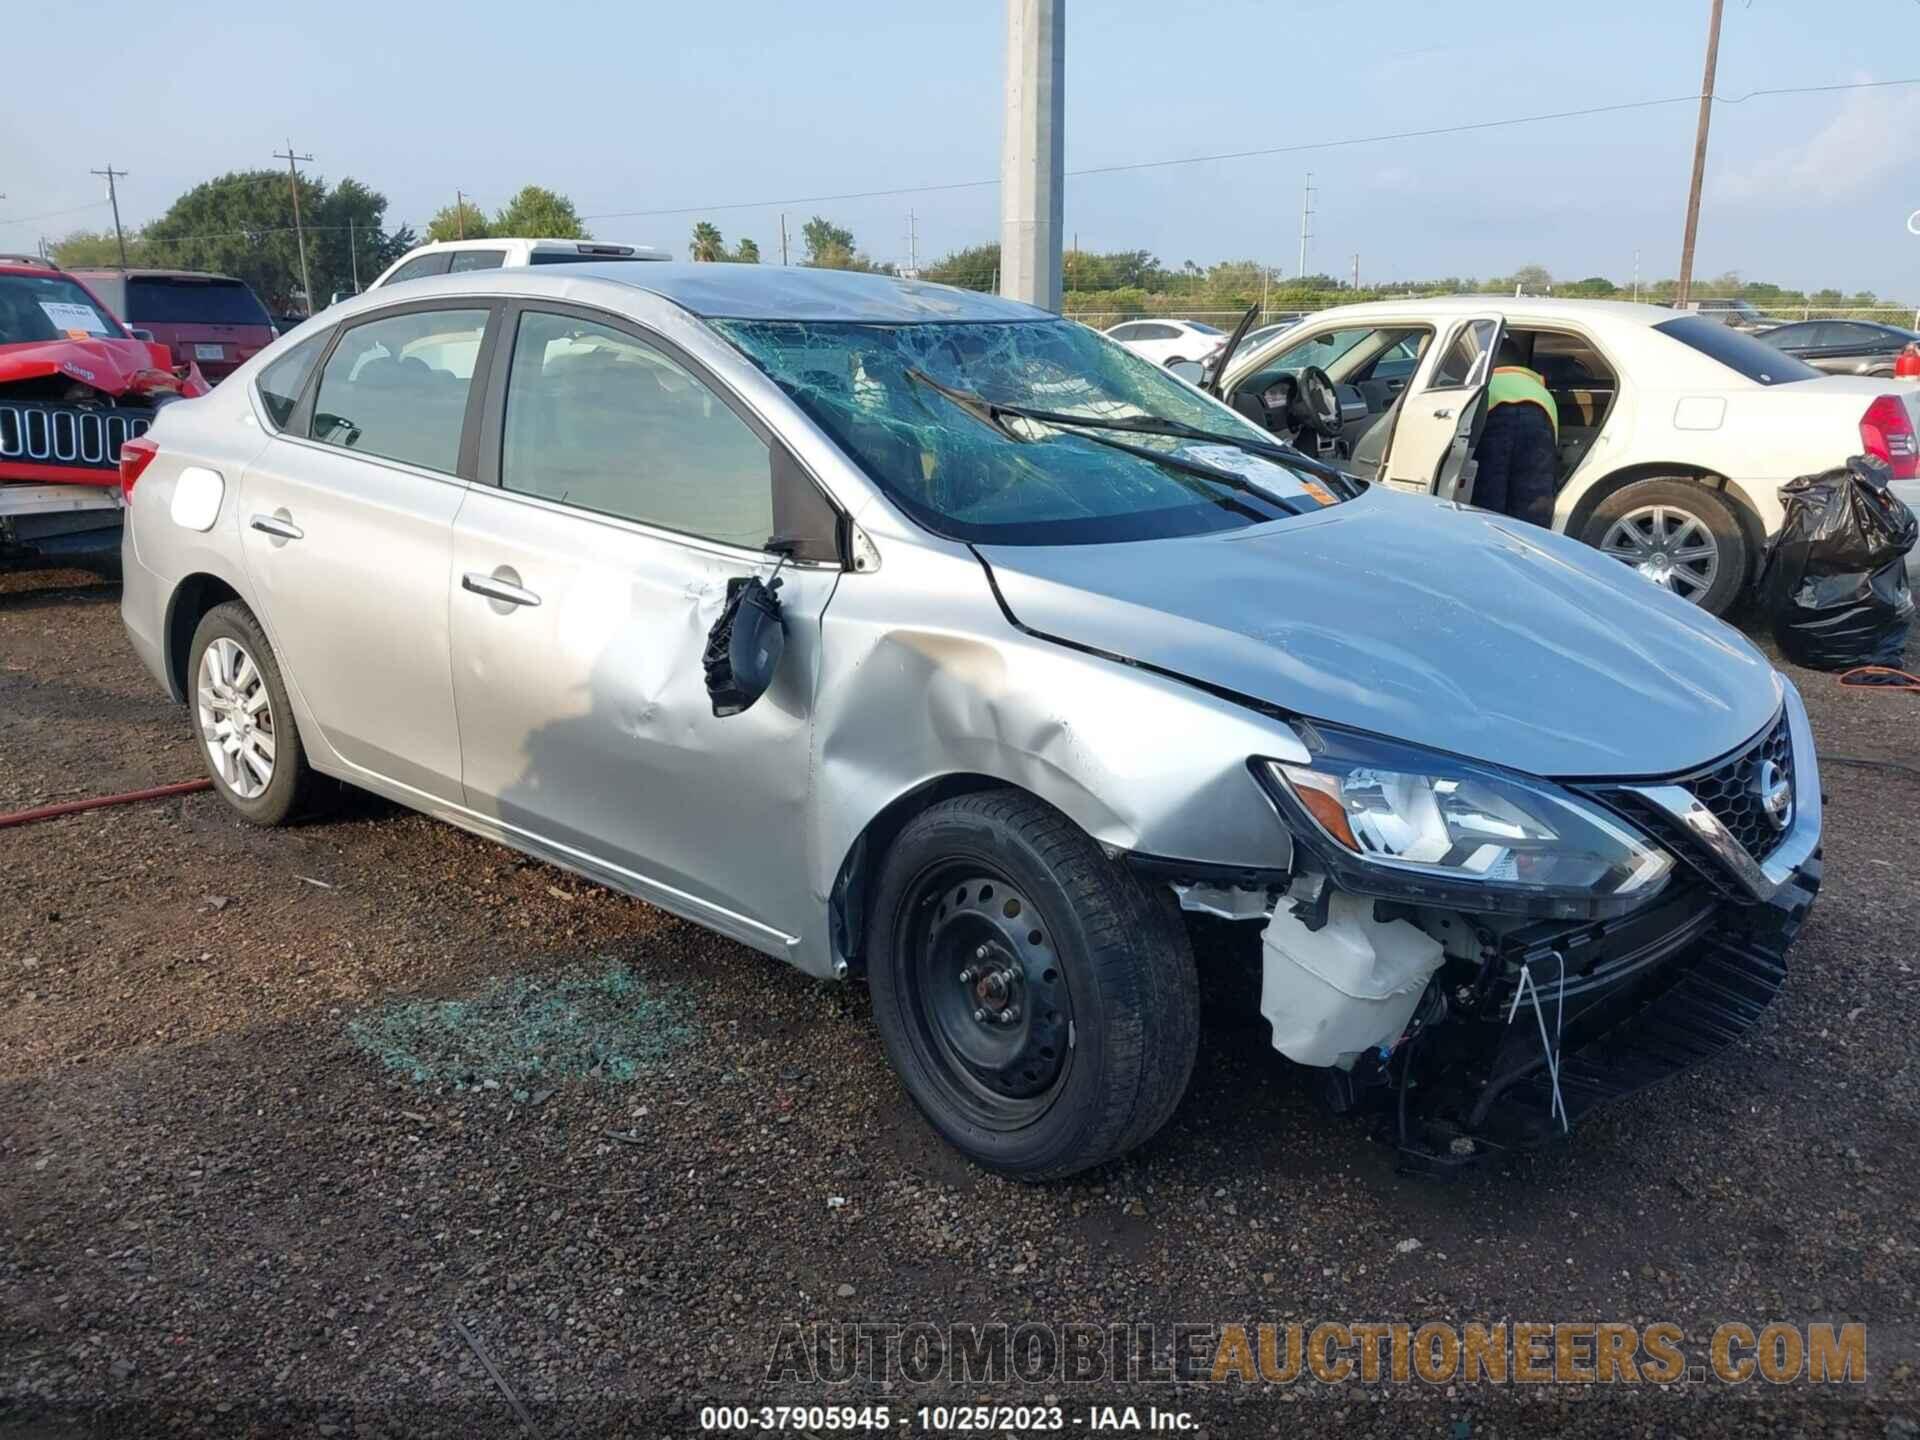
x,y
924,680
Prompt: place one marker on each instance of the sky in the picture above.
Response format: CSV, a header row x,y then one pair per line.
x,y
709,111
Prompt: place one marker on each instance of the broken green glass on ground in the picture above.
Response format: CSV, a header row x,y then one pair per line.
x,y
522,1030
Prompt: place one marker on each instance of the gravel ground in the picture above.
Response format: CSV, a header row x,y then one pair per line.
x,y
221,1215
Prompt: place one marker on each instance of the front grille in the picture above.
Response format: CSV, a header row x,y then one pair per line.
x,y
1732,789
67,434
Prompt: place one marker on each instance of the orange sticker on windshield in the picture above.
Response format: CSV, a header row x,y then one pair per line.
x,y
79,335
1317,491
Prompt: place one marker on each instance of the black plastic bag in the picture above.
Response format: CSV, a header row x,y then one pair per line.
x,y
1835,583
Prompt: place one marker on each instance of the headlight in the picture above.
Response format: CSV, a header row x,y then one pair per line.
x,y
1428,824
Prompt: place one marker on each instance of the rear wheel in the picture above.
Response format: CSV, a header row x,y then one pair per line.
x,y
1038,1004
243,718
1678,534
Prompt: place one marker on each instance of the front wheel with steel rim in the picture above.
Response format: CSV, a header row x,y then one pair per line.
x,y
1038,1002
243,719
1679,534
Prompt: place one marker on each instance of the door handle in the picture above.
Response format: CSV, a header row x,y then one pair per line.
x,y
1445,412
275,526
496,589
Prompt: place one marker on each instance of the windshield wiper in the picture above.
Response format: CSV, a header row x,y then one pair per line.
x,y
991,412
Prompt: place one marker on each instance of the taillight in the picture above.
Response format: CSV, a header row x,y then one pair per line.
x,y
135,455
1886,430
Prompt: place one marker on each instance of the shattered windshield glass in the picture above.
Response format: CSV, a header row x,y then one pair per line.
x,y
1019,481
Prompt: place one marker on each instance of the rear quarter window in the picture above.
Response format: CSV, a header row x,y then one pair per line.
x,y
1740,352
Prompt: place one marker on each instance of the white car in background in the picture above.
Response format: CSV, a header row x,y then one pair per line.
x,y
442,257
1676,431
1169,342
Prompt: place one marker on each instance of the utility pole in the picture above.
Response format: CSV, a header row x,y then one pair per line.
x,y
113,195
783,237
1636,277
913,246
1356,269
1699,157
299,233
1033,152
1306,227
353,252
459,215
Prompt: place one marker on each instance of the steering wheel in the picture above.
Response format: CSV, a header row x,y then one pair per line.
x,y
1314,404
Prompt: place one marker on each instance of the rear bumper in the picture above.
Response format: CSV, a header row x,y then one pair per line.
x,y
143,610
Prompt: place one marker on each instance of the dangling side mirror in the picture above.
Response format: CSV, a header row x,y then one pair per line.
x,y
745,645
1191,371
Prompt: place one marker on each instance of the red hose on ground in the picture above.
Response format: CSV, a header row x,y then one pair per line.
x,y
74,807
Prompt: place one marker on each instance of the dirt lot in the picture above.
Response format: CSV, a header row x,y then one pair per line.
x,y
219,1214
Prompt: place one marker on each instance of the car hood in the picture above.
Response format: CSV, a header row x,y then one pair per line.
x,y
1421,620
113,367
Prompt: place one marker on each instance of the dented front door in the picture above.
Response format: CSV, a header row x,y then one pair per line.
x,y
585,724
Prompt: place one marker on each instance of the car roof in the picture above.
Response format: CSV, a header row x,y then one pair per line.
x,y
715,291
532,242
1533,307
137,272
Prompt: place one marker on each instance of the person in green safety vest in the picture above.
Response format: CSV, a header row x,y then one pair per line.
x,y
1519,451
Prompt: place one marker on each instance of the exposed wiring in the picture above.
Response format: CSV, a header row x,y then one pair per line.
x,y
1897,767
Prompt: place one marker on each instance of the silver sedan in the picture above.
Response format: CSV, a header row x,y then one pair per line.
x,y
919,636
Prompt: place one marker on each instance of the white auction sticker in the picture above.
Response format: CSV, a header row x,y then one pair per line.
x,y
66,316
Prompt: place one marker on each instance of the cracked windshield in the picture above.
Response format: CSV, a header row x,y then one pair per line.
x,y
904,401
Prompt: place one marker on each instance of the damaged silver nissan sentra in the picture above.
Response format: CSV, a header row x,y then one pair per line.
x,y
903,632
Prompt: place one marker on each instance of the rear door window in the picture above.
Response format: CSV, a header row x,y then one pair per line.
x,y
476,260
397,387
1740,352
192,302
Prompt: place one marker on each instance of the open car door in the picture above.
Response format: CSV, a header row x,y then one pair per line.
x,y
1431,447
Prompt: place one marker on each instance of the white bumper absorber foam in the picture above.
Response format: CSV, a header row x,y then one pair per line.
x,y
1347,987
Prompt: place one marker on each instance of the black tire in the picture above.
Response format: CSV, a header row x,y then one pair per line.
x,y
291,787
1710,508
1088,939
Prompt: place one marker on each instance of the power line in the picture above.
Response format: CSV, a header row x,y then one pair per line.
x,y
1692,98
50,214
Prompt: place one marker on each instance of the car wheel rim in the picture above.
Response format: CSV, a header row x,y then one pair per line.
x,y
236,718
989,997
1670,546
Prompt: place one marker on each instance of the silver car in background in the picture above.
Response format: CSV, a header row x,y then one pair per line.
x,y
913,634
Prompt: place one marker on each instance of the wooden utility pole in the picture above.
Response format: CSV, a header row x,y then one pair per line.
x,y
459,215
783,237
1699,157
113,195
299,233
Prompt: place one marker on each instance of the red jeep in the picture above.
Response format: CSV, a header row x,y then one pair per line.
x,y
74,387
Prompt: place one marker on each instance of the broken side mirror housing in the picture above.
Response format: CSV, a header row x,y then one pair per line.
x,y
745,646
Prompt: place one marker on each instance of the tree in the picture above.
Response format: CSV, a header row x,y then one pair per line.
x,y
706,243
461,221
536,213
746,253
241,224
977,267
1593,285
90,248
828,245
